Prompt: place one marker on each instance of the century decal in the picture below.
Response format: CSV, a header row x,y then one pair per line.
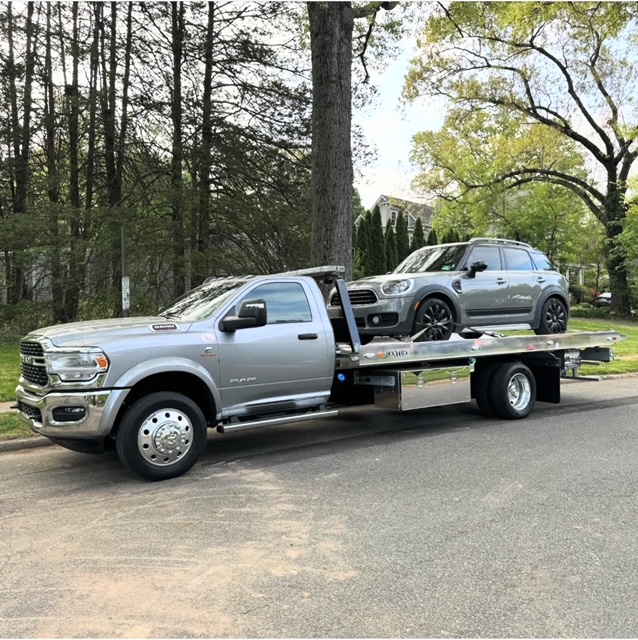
x,y
397,353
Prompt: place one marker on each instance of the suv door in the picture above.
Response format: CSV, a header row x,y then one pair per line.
x,y
484,297
280,366
526,285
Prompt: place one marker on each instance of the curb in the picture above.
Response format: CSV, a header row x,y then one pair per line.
x,y
24,443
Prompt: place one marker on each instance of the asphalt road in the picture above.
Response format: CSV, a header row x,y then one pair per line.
x,y
434,523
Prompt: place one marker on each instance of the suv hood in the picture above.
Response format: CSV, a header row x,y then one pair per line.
x,y
93,332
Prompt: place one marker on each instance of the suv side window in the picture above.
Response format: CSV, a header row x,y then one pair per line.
x,y
518,260
286,302
490,255
542,261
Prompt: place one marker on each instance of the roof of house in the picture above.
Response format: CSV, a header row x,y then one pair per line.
x,y
416,209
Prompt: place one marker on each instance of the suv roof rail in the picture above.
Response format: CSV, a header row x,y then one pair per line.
x,y
501,241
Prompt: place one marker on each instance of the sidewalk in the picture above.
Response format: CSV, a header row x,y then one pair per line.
x,y
5,407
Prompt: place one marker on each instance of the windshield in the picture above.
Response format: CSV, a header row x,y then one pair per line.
x,y
441,258
200,303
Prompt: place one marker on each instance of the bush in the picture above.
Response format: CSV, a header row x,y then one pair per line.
x,y
588,311
579,294
18,319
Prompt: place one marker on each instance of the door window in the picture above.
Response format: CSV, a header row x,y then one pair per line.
x,y
286,302
489,255
518,260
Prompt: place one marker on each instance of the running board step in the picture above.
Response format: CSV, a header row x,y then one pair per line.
x,y
271,422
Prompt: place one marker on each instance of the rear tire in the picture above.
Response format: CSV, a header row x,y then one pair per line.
x,y
482,388
513,391
554,317
161,436
434,319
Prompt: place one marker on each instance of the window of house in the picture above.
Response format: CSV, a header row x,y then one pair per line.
x,y
393,216
286,302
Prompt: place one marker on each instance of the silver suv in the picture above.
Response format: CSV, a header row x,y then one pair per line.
x,y
466,288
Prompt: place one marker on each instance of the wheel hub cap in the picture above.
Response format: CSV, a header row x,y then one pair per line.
x,y
165,436
519,391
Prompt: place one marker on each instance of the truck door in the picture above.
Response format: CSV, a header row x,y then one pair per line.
x,y
287,364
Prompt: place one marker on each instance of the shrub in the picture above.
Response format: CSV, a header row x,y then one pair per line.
x,y
579,293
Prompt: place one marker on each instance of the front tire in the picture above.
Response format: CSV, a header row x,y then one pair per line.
x,y
433,321
161,436
553,318
513,391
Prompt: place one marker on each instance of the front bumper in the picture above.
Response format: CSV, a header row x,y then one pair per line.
x,y
95,410
388,316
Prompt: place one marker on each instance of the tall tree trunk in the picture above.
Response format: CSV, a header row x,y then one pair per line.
x,y
331,26
53,178
177,210
616,214
93,93
203,244
76,250
16,289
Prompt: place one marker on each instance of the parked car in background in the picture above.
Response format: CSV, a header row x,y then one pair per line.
x,y
465,287
603,300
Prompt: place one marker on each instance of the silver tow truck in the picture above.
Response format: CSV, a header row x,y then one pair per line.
x,y
255,351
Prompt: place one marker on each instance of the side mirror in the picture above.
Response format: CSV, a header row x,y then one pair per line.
x,y
252,313
475,267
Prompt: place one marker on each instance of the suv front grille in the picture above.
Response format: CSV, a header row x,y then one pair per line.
x,y
357,297
32,363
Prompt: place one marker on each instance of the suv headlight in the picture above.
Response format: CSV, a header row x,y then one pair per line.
x,y
397,287
80,365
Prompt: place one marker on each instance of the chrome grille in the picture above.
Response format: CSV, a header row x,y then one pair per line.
x,y
31,349
32,363
357,297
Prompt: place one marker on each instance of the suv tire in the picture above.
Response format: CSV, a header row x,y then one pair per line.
x,y
553,318
433,321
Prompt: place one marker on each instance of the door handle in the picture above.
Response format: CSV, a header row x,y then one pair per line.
x,y
501,281
541,280
307,336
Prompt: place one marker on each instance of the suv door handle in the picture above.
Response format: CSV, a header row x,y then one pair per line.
x,y
541,280
307,336
501,281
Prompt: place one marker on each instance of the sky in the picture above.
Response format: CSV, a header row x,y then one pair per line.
x,y
388,125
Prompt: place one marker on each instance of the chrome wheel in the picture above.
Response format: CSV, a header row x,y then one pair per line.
x,y
519,391
165,437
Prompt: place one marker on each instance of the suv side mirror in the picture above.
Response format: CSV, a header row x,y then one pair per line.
x,y
475,267
252,313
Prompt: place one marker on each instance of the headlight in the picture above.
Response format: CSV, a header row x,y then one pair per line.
x,y
78,365
397,287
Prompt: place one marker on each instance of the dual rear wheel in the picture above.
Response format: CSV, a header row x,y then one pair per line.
x,y
505,389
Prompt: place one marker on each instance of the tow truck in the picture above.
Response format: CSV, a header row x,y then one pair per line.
x,y
251,352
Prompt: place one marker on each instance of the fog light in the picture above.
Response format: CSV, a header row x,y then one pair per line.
x,y
375,320
68,414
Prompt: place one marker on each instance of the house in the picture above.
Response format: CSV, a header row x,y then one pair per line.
x,y
389,207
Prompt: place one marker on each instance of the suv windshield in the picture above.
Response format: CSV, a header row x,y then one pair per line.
x,y
442,258
203,301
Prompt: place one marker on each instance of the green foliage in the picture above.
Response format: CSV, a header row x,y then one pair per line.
x,y
391,257
403,237
432,239
9,369
523,77
11,427
579,293
418,237
376,257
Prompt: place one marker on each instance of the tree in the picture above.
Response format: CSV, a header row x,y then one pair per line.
x,y
376,264
391,257
564,66
432,239
466,152
403,238
331,31
418,237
